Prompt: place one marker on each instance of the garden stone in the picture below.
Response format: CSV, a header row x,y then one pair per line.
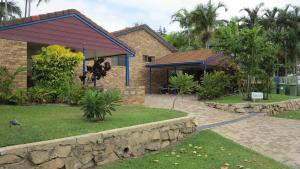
x,y
153,146
72,163
53,164
39,157
165,144
155,135
164,135
240,110
86,158
61,151
9,159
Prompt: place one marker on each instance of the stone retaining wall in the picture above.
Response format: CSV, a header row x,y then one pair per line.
x,y
269,108
97,148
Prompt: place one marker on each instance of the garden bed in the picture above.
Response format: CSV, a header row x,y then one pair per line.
x,y
238,99
205,150
45,122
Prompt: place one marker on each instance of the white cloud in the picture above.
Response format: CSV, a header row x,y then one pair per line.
x,y
117,14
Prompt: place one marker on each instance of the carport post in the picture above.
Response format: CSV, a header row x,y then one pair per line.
x,y
127,70
150,80
205,67
83,67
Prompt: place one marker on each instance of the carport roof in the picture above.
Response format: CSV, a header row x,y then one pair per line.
x,y
69,28
196,57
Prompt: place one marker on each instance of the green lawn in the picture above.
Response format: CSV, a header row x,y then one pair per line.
x,y
238,99
289,115
46,122
206,150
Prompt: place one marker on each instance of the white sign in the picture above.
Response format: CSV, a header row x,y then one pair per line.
x,y
257,95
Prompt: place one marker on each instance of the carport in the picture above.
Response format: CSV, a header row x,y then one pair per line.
x,y
195,62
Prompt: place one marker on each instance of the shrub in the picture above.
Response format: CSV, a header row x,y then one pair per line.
x,y
96,105
213,85
7,93
76,93
54,68
41,95
183,83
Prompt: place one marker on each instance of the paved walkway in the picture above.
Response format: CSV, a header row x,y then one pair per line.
x,y
273,137
189,104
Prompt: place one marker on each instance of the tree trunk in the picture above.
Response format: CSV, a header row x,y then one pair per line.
x,y
26,7
174,101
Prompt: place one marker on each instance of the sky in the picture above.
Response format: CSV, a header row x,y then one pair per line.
x,y
117,14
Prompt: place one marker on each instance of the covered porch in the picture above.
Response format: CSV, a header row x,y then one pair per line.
x,y
68,28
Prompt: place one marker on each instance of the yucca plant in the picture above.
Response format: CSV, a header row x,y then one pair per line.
x,y
96,105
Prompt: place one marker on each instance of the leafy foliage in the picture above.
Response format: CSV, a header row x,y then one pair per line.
x,y
96,105
13,10
54,68
7,93
213,85
41,95
76,93
253,53
183,83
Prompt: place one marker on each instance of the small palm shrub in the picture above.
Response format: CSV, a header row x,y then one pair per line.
x,y
183,83
213,85
96,105
8,95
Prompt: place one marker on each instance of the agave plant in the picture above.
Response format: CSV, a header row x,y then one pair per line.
x,y
96,105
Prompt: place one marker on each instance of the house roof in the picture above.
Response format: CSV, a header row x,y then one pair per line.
x,y
147,29
203,56
69,28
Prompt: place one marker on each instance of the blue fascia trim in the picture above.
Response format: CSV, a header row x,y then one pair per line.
x,y
175,64
79,18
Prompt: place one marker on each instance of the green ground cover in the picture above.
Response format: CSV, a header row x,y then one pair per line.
x,y
206,150
238,99
44,122
289,115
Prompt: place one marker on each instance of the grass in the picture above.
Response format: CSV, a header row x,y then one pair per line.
x,y
238,99
214,152
289,115
45,122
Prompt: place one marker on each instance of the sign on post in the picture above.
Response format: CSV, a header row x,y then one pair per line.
x,y
257,96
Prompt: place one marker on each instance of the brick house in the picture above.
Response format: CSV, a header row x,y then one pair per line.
x,y
141,59
148,46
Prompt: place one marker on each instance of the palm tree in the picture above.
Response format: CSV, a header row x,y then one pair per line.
x,y
253,17
28,6
183,17
205,20
270,18
9,10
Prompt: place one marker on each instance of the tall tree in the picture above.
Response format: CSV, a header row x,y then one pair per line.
x,y
28,6
252,18
184,18
9,10
205,20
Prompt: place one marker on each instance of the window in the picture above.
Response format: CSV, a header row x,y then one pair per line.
x,y
118,61
147,58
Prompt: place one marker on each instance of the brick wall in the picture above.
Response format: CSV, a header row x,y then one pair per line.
x,y
134,95
13,54
143,44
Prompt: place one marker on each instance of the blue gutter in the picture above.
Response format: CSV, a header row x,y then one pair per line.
x,y
175,64
79,18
